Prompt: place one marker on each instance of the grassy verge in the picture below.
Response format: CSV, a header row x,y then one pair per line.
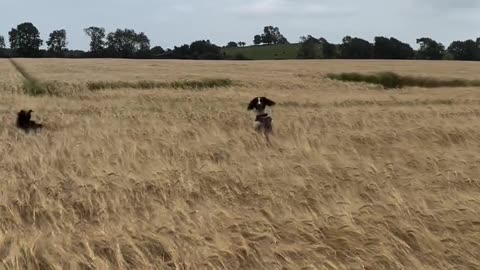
x,y
391,80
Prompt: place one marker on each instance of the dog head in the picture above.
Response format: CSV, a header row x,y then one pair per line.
x,y
260,104
24,116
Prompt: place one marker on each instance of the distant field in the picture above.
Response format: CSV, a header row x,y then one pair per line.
x,y
266,52
357,177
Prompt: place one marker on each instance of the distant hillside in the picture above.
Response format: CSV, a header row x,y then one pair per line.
x,y
265,52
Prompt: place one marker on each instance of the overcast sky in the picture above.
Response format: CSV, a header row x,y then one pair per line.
x,y
175,22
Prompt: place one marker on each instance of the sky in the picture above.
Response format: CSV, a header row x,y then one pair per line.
x,y
175,22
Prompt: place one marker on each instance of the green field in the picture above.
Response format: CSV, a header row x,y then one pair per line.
x,y
265,52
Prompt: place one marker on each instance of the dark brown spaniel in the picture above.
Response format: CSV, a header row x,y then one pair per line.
x,y
25,123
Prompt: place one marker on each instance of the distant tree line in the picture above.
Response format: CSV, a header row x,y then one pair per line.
x,y
25,41
388,48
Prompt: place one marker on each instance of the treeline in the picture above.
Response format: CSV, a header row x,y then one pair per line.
x,y
25,41
388,48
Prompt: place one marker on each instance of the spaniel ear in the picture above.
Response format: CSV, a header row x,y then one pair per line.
x,y
269,102
252,104
29,115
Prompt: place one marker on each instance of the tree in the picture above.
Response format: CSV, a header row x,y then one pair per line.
x,y
127,43
282,40
121,43
310,48
430,49
57,42
257,40
457,49
383,48
272,35
142,46
143,42
268,36
25,40
464,50
242,44
75,54
156,51
232,44
202,49
182,52
329,50
2,46
97,38
316,48
392,48
356,48
402,50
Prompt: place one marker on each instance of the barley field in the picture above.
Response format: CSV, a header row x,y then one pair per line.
x,y
356,177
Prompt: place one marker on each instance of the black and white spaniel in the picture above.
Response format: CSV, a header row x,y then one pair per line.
x,y
25,123
263,121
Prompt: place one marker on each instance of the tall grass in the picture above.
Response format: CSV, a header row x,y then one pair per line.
x,y
391,80
353,179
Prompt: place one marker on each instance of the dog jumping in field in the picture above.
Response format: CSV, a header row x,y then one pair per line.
x,y
263,121
25,123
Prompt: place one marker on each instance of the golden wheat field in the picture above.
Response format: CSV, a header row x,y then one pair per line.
x,y
357,177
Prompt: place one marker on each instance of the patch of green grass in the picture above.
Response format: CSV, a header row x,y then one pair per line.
x,y
201,84
391,80
264,52
33,88
391,103
190,84
61,88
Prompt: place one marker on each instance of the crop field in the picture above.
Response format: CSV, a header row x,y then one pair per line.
x,y
155,165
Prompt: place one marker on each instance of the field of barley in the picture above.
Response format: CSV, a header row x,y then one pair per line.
x,y
356,177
